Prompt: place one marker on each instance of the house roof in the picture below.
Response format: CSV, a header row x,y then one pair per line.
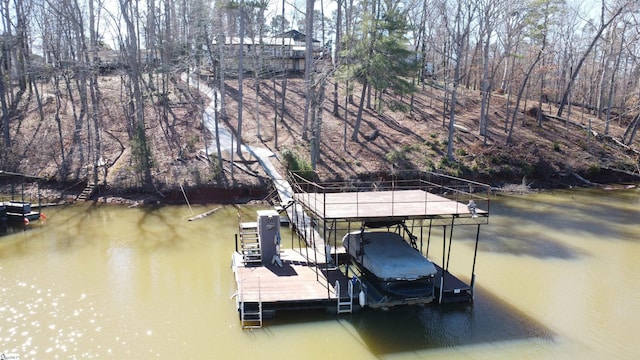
x,y
295,35
12,175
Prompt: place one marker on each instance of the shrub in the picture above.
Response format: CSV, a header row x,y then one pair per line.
x,y
429,164
296,164
396,156
593,169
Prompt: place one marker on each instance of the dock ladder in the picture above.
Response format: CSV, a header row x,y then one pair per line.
x,y
346,306
250,313
250,243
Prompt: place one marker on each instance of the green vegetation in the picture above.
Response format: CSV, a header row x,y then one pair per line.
x,y
400,157
142,156
593,169
397,156
296,164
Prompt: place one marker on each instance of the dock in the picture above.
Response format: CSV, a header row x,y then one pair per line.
x,y
319,274
15,209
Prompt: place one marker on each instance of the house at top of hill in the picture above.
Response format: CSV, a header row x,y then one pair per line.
x,y
271,55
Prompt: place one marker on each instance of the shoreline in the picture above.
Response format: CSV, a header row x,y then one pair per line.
x,y
256,193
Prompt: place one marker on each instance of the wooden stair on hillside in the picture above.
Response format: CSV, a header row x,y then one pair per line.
x,y
87,192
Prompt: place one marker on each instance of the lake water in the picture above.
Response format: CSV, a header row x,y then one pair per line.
x,y
557,277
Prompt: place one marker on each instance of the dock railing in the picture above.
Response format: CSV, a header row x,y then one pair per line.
x,y
445,186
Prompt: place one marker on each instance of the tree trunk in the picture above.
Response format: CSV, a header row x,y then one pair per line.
x,y
519,97
452,107
612,84
141,149
630,131
356,126
96,100
308,64
240,80
5,113
485,85
336,56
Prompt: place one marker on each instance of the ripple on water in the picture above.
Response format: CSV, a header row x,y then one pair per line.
x,y
22,329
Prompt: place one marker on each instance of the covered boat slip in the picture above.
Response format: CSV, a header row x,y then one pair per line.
x,y
14,207
319,273
387,204
415,209
431,196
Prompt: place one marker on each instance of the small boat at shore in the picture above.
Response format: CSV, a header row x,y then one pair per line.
x,y
391,264
18,212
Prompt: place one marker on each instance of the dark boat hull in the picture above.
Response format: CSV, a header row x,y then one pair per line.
x,y
422,287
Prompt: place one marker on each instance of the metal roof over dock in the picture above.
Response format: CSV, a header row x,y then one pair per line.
x,y
12,175
409,204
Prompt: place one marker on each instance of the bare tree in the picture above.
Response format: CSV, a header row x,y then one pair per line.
x,y
240,77
614,72
141,151
489,12
457,36
603,25
308,65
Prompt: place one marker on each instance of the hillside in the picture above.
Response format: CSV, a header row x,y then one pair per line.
x,y
543,157
558,154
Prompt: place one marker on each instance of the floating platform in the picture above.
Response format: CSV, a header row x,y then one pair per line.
x,y
302,285
297,284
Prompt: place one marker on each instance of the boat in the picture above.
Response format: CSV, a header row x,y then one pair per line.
x,y
391,263
20,212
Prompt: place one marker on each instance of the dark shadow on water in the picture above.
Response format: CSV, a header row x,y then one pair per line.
x,y
580,211
533,226
487,320
527,243
413,329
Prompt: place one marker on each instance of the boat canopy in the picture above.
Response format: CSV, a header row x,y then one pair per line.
x,y
388,256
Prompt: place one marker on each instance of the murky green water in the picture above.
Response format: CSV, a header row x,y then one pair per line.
x,y
557,277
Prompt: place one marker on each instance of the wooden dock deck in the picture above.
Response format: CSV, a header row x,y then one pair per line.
x,y
297,284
